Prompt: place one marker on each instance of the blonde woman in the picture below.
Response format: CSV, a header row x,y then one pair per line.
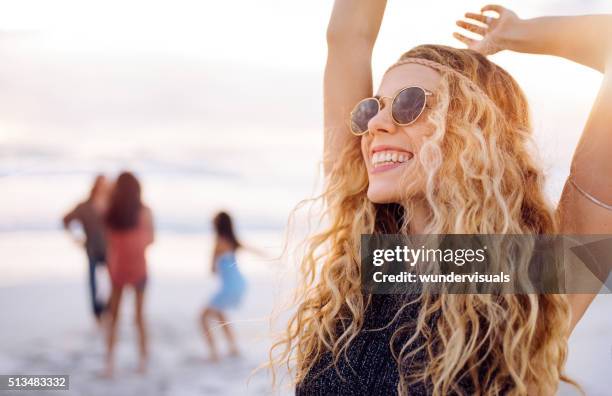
x,y
442,148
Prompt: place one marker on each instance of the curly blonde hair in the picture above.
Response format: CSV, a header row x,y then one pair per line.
x,y
480,178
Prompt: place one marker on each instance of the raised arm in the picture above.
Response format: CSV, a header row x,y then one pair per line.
x,y
586,202
351,34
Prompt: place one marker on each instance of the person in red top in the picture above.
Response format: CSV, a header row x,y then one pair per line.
x,y
129,231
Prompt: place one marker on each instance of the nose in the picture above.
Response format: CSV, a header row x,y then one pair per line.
x,y
382,122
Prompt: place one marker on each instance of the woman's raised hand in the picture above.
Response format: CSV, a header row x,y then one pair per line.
x,y
496,31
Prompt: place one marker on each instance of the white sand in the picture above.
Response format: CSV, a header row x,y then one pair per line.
x,y
46,329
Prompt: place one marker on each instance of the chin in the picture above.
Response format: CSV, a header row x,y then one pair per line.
x,y
383,194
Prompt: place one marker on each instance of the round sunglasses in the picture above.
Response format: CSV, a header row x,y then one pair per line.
x,y
406,107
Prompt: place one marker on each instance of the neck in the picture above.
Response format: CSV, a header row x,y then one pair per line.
x,y
420,216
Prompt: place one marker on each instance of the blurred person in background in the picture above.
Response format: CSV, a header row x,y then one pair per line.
x,y
233,284
129,231
89,214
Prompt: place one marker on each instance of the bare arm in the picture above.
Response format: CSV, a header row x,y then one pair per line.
x,y
351,34
583,39
150,228
69,217
591,170
220,248
213,262
586,40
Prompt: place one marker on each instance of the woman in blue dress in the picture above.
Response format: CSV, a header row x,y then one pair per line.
x,y
233,284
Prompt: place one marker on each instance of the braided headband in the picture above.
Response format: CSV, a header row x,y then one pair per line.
x,y
439,67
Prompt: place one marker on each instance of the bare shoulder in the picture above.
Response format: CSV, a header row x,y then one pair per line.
x,y
223,245
146,215
147,211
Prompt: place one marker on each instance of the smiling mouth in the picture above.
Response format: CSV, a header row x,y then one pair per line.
x,y
389,159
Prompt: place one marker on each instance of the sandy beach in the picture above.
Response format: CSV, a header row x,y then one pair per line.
x,y
48,332
47,328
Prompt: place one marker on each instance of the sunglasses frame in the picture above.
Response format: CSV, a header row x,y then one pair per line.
x,y
378,101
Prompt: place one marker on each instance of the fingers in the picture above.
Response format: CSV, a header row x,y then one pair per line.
x,y
493,7
465,40
472,27
476,17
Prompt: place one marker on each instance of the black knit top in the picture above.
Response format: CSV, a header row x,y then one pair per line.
x,y
369,367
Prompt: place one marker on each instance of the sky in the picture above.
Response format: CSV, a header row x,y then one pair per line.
x,y
215,104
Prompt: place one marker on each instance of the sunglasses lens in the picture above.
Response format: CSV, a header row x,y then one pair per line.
x,y
362,114
408,105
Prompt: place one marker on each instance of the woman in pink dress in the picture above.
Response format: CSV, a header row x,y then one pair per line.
x,y
129,231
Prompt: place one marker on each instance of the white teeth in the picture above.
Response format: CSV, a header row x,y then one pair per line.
x,y
386,157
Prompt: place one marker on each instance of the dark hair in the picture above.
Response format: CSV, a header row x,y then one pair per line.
x,y
222,223
125,204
